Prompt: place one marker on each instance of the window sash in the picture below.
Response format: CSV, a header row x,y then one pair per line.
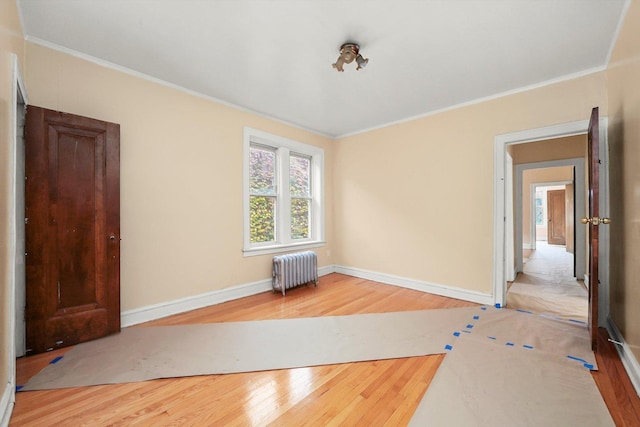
x,y
285,150
269,224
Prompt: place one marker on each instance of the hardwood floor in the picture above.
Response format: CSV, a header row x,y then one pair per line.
x,y
374,393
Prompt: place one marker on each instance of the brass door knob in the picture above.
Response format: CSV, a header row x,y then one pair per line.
x,y
595,220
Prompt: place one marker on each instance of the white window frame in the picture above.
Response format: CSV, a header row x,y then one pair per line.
x,y
284,148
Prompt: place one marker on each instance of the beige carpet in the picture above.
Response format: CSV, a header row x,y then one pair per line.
x,y
491,353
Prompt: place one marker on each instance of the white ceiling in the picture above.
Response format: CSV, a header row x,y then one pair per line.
x,y
274,57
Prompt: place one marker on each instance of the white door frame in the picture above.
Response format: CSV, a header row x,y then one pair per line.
x,y
18,95
511,268
501,231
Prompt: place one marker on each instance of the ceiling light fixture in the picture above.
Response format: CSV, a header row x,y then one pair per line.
x,y
349,52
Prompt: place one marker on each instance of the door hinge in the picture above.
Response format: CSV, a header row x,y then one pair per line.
x,y
26,221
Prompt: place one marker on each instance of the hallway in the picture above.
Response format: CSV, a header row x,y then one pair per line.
x,y
547,285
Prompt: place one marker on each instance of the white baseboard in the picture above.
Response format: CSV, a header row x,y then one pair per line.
x,y
182,305
6,404
432,288
629,361
169,308
527,246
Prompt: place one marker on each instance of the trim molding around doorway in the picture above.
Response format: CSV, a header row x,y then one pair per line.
x,y
503,234
18,96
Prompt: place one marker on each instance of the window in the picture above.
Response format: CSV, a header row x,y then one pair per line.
x,y
539,210
283,194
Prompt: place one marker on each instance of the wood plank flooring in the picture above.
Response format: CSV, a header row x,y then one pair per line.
x,y
374,393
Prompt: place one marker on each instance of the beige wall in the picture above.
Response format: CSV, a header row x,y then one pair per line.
x,y
623,84
11,37
552,149
11,42
181,176
416,199
538,176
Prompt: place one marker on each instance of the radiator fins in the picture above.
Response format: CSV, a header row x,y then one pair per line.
x,y
295,269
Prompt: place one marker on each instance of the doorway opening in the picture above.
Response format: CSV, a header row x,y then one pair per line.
x,y
548,281
509,246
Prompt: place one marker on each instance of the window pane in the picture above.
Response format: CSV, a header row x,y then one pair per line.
x,y
262,221
300,218
262,171
299,175
539,213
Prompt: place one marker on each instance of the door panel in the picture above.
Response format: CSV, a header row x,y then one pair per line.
x,y
73,229
593,145
556,229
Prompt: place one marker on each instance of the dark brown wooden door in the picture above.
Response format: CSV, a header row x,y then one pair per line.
x,y
593,144
72,231
557,224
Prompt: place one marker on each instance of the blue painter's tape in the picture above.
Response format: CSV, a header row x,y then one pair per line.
x,y
56,360
448,347
577,359
524,311
510,344
19,387
456,334
483,308
492,338
588,366
577,321
469,326
498,305
476,317
527,346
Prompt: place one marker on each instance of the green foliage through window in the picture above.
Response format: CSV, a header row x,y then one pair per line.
x,y
262,183
263,219
262,173
300,218
299,168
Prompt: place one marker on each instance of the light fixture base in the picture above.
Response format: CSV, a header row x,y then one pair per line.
x,y
348,53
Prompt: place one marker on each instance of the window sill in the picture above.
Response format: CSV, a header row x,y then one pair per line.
x,y
265,250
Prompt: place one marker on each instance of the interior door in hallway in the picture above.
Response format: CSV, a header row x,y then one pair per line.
x,y
72,209
557,225
593,144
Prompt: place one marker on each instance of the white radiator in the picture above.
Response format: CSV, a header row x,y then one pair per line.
x,y
294,269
